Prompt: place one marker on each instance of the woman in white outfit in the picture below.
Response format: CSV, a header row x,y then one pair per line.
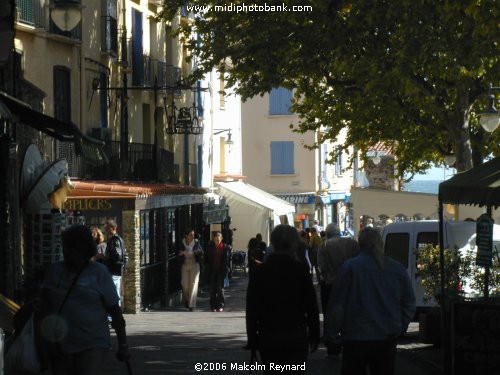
x,y
190,271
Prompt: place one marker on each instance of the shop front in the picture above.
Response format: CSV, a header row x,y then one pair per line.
x,y
305,208
152,219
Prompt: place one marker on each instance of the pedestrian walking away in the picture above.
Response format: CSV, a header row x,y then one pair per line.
x,y
331,256
191,254
115,256
76,297
372,303
217,265
282,312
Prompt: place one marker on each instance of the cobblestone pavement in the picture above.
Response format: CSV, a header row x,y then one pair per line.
x,y
173,341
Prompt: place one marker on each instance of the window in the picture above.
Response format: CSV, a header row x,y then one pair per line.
x,y
62,93
338,161
426,238
280,100
137,58
109,31
103,99
199,99
282,158
397,247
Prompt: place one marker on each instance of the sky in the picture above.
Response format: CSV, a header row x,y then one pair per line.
x,y
435,174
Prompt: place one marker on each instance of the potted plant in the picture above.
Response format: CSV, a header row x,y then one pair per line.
x,y
457,269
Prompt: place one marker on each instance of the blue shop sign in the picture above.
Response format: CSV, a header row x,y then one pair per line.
x,y
298,198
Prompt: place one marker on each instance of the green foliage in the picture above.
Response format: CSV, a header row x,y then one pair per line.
x,y
461,272
410,73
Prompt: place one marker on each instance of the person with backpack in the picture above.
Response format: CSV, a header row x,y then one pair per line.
x,y
115,256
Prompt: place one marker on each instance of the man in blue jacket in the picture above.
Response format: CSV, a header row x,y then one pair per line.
x,y
372,303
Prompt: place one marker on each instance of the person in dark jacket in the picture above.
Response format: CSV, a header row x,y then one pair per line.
x,y
282,312
115,255
217,266
255,255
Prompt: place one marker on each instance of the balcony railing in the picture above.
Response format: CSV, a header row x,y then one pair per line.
x,y
31,12
109,35
140,165
148,71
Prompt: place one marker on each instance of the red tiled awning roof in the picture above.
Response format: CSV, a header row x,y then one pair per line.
x,y
127,189
382,148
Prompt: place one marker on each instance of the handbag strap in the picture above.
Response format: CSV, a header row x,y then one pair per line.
x,y
73,283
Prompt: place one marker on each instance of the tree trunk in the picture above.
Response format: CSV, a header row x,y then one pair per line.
x,y
462,146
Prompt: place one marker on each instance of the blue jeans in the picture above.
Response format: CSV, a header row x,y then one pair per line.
x,y
117,280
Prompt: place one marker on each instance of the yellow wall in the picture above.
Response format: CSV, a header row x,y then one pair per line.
x,y
258,130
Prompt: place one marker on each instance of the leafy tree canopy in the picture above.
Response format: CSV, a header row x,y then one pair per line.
x,y
410,73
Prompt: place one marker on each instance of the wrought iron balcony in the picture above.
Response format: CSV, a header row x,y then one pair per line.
x,y
109,35
139,167
31,12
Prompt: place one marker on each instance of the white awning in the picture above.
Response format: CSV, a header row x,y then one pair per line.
x,y
258,196
253,211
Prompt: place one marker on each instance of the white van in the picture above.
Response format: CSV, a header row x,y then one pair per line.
x,y
403,238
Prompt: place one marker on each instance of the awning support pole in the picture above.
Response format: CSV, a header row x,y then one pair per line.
x,y
443,301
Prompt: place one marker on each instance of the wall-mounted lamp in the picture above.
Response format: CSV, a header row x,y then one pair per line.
x,y
66,14
490,118
376,159
228,141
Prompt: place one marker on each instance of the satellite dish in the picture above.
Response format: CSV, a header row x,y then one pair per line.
x,y
32,167
45,184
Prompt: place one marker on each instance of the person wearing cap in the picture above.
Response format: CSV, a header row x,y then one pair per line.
x,y
371,304
331,256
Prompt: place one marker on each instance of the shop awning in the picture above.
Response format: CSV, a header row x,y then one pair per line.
x,y
91,149
477,186
253,211
127,190
258,196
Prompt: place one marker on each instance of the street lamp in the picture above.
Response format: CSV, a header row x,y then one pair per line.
x,y
490,119
449,160
229,142
66,14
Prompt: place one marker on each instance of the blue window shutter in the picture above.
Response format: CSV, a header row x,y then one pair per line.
x,y
274,102
280,100
137,64
276,157
282,161
199,99
288,158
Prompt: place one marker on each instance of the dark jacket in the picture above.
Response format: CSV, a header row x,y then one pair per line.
x,y
281,298
115,256
224,259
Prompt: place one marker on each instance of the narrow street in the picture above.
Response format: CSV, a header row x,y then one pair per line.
x,y
175,340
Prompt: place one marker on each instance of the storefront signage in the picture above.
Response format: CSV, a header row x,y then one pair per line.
x,y
215,216
172,200
484,240
87,204
298,198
